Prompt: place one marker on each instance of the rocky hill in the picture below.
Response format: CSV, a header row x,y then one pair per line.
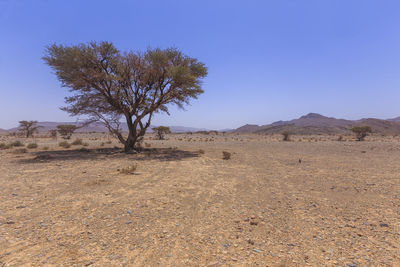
x,y
314,123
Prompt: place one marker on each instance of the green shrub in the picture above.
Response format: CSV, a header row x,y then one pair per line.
x,y
64,144
32,145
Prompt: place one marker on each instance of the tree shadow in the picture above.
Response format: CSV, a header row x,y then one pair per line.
x,y
160,154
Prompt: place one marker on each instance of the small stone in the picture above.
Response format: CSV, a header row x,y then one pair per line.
x,y
128,222
256,250
351,265
129,211
227,245
384,225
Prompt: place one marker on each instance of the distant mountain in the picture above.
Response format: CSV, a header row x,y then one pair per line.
x,y
397,119
46,126
314,123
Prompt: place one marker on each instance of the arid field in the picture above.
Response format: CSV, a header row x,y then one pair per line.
x,y
309,202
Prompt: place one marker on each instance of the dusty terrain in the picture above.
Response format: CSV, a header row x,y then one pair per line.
x,y
339,206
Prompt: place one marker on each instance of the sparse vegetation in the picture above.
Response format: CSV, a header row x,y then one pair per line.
x,y
340,138
201,151
361,132
53,133
45,148
17,144
28,128
32,145
286,136
129,170
66,130
161,131
226,155
77,142
5,146
20,151
64,144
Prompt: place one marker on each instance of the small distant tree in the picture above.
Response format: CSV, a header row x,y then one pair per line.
x,y
361,132
53,133
161,131
66,130
286,136
108,85
28,128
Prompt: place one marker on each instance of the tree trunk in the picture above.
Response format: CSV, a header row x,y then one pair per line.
x,y
129,144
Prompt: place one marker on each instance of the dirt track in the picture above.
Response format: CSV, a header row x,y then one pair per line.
x,y
339,206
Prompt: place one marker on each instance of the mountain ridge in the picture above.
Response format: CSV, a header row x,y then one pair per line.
x,y
314,123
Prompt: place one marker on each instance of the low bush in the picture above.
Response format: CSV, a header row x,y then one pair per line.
x,y
4,146
286,136
77,142
32,145
200,151
129,170
226,155
20,150
64,144
17,144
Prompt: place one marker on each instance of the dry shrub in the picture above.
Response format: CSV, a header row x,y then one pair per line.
x,y
4,146
77,142
20,150
286,136
340,138
147,145
64,144
129,170
108,142
17,144
226,155
32,145
45,148
200,151
85,144
102,144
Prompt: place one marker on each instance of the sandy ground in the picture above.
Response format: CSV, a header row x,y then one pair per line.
x,y
339,206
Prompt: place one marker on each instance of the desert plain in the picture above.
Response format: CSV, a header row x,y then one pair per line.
x,y
312,201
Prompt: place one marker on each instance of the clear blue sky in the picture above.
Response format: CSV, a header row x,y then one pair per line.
x,y
267,60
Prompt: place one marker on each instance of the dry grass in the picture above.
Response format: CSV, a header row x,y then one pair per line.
x,y
32,146
129,170
64,144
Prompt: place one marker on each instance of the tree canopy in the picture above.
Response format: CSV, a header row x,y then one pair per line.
x,y
361,132
28,128
161,131
107,84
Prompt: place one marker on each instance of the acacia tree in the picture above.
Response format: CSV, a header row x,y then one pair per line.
x,y
66,130
108,85
361,132
161,131
28,128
